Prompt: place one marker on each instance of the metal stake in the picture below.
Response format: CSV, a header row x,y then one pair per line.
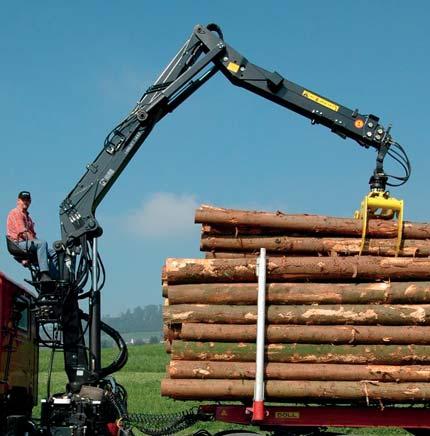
x,y
258,412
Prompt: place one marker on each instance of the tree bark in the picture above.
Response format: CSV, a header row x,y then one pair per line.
x,y
224,255
299,371
309,245
309,224
355,268
186,389
303,353
301,334
209,230
306,314
301,293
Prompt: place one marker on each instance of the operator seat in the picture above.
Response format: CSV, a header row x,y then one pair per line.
x,y
21,255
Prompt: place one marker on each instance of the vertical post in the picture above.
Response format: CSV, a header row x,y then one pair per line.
x,y
258,413
95,346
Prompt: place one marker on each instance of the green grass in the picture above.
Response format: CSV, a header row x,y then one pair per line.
x,y
141,377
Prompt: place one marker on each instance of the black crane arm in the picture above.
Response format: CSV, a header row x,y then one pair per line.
x,y
202,55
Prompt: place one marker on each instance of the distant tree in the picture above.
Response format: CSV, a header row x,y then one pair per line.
x,y
146,319
152,318
154,340
137,321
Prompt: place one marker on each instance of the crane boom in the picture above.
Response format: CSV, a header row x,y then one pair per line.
x,y
203,55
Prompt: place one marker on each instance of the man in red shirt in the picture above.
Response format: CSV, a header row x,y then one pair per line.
x,y
20,229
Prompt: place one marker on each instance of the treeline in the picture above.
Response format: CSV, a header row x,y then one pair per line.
x,y
146,319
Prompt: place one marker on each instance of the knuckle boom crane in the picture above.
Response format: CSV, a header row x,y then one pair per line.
x,y
202,56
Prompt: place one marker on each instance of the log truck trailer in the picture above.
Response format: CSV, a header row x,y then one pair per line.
x,y
93,401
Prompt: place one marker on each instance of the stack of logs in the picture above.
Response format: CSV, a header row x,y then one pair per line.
x,y
340,327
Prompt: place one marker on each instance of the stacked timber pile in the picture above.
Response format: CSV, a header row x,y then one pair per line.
x,y
237,233
340,327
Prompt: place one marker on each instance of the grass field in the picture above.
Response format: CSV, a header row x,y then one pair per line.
x,y
142,376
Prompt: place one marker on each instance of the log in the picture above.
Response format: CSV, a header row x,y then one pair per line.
x,y
309,224
301,293
354,268
208,230
164,288
305,314
163,273
222,255
186,389
307,245
301,334
299,371
303,353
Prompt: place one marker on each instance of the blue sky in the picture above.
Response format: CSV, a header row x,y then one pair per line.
x,y
71,70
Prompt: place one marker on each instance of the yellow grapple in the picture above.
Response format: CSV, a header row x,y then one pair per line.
x,y
379,204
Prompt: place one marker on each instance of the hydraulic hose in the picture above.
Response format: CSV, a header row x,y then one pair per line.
x,y
122,357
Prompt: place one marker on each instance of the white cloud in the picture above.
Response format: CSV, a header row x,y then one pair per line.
x,y
164,214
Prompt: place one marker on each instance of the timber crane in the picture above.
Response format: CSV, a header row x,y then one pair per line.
x,y
204,54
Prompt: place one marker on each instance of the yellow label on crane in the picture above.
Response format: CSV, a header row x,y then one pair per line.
x,y
232,66
320,100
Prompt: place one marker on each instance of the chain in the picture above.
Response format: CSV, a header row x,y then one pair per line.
x,y
163,424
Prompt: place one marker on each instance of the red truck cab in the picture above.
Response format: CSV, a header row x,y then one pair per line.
x,y
18,351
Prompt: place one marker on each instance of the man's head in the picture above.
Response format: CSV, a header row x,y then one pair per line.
x,y
24,200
